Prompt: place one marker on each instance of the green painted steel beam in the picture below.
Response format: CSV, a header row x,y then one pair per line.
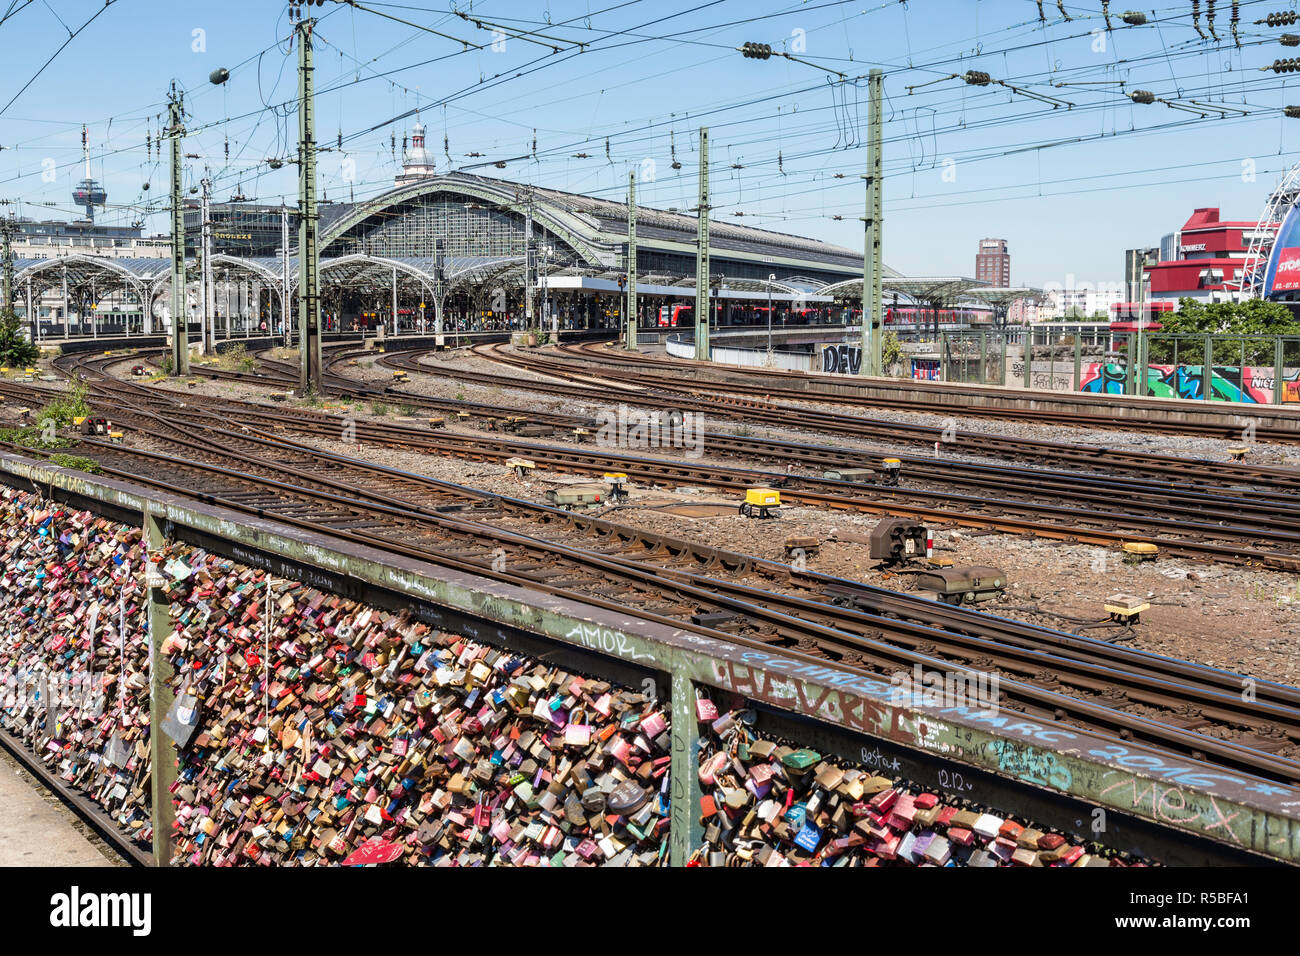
x,y
703,315
162,749
180,327
629,341
687,832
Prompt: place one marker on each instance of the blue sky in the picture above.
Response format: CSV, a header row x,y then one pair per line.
x,y
962,162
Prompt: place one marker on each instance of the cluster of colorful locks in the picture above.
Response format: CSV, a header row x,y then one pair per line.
x,y
767,803
74,658
315,730
324,731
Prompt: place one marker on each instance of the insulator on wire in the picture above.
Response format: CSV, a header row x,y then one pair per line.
x,y
1291,112
977,78
1133,18
1290,65
1283,19
1289,39
1145,97
756,51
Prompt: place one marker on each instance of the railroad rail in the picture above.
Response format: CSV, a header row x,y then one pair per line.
x,y
1194,472
1232,524
824,618
809,386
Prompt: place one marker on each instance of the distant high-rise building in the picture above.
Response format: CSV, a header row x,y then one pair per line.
x,y
993,263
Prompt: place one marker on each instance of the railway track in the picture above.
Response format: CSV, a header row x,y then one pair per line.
x,y
1046,674
1053,686
1059,456
811,387
1233,524
1062,459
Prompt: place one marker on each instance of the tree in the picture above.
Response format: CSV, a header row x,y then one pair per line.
x,y
1228,319
1252,317
891,351
15,350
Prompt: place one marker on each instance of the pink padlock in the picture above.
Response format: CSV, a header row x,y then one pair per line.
x,y
705,709
620,750
710,767
577,733
654,725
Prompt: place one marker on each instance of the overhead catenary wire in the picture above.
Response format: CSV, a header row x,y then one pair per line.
x,y
620,140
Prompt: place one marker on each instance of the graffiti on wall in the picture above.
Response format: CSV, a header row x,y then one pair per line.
x,y
925,369
844,359
1228,383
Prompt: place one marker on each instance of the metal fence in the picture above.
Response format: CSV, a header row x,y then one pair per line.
x,y
1255,369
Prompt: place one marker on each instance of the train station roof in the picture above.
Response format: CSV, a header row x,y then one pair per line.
x,y
361,271
932,290
1001,298
140,275
594,229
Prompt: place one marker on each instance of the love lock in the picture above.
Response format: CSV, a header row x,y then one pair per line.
x,y
627,798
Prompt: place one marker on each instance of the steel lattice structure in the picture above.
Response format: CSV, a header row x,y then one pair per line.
x,y
1280,201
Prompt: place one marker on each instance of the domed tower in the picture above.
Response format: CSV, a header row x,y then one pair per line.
x,y
416,161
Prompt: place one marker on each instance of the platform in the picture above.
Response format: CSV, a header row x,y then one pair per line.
x,y
35,831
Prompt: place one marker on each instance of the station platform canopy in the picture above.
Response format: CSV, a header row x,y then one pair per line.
x,y
1004,297
936,291
375,273
138,276
482,215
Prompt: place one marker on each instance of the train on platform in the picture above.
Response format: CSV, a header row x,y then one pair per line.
x,y
902,318
678,315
